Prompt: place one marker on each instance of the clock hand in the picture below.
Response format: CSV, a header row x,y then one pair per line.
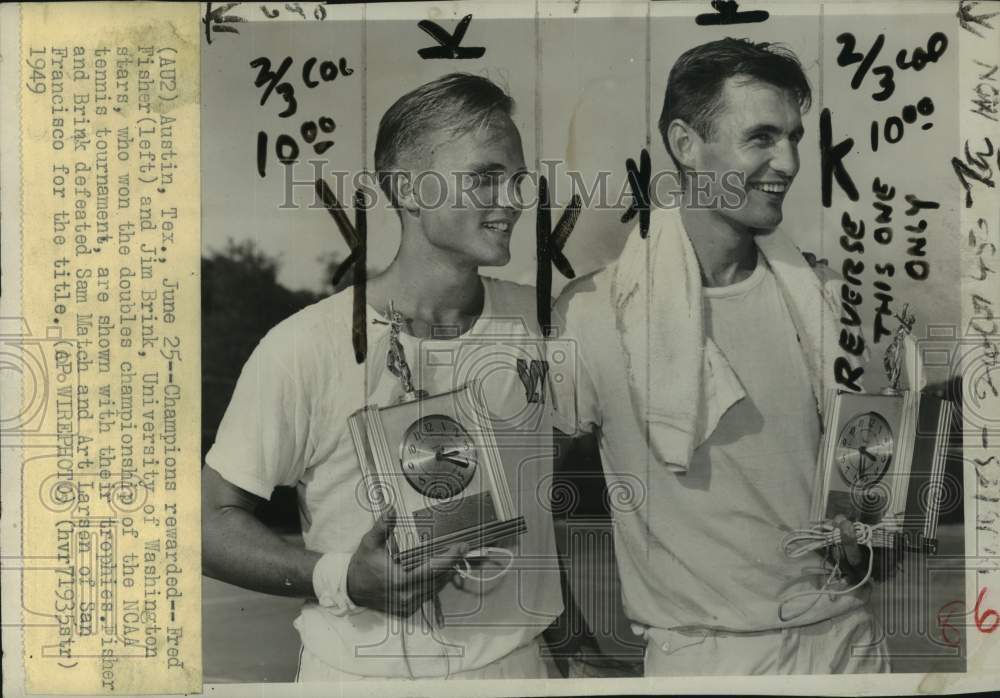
x,y
861,466
456,461
447,455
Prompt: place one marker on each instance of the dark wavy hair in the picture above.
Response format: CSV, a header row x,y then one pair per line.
x,y
456,103
696,80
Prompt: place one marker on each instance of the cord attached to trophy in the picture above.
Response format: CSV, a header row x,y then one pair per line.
x,y
880,465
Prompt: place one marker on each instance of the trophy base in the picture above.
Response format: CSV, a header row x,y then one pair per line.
x,y
479,537
908,540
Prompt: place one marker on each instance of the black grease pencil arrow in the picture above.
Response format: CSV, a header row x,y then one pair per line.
x,y
356,237
966,19
638,179
726,13
549,244
449,44
216,17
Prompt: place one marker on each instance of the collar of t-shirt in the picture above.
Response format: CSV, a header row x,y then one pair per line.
x,y
474,329
740,288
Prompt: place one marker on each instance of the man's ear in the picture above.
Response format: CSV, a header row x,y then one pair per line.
x,y
684,143
405,196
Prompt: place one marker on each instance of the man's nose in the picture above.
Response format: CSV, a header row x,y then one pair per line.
x,y
506,195
786,158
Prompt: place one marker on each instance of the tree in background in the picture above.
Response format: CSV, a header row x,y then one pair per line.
x,y
331,263
241,300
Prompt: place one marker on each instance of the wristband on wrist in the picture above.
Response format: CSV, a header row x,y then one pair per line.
x,y
329,579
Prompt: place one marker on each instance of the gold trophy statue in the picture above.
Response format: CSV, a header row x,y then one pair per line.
x,y
893,358
395,358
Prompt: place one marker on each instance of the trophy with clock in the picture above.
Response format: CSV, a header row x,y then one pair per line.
x,y
882,457
435,460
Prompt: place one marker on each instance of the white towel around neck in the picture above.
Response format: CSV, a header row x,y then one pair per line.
x,y
679,380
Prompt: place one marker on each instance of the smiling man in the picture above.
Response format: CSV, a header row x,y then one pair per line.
x,y
705,352
449,157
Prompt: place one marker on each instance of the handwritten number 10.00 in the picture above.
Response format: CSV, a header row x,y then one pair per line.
x,y
286,148
314,132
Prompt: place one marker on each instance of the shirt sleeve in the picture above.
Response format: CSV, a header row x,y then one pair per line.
x,y
262,439
574,398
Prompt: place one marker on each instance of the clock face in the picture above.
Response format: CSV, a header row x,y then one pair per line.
x,y
438,457
864,449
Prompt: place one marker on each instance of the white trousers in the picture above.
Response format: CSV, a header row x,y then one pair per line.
x,y
847,644
523,663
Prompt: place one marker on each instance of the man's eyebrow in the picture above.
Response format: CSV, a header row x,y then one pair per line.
x,y
772,129
486,167
495,168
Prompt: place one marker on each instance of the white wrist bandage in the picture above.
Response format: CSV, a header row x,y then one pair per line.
x,y
329,579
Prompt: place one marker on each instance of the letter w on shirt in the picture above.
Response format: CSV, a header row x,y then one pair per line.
x,y
533,376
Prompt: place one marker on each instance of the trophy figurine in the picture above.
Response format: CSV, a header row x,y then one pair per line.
x,y
395,358
894,355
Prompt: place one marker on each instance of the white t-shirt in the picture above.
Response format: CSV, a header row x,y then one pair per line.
x,y
287,425
702,549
